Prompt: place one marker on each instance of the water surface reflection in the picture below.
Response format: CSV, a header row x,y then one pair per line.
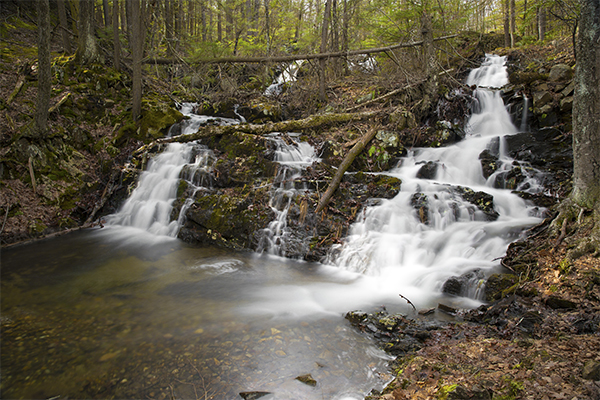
x,y
100,314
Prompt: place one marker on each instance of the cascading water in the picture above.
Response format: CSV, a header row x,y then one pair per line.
x,y
149,207
429,232
288,75
292,158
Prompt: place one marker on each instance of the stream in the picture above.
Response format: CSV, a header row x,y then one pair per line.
x,y
129,311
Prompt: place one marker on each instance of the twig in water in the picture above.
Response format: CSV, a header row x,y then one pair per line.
x,y
408,301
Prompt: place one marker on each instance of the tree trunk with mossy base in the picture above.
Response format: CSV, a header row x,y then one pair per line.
x,y
87,49
585,197
44,72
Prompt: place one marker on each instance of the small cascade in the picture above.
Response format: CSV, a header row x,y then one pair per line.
x,y
198,177
523,127
293,156
150,206
288,75
435,229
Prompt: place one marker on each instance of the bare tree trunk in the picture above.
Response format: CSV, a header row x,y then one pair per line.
x,y
229,4
106,10
116,38
267,27
345,164
586,109
322,61
541,22
123,18
191,18
62,15
335,36
169,27
219,26
203,19
344,45
87,51
299,21
44,75
506,23
513,22
136,52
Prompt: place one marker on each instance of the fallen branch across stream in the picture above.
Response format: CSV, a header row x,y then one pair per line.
x,y
337,178
299,125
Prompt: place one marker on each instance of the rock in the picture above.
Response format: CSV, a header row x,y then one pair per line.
x,y
483,201
307,379
466,284
548,150
569,90
524,77
447,309
253,395
542,98
556,303
428,171
566,104
459,392
403,119
356,317
497,285
419,203
530,321
591,370
560,72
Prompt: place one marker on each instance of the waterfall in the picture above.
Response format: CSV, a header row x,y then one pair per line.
x,y
292,157
430,232
288,75
150,206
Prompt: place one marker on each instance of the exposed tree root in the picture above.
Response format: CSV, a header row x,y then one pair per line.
x,y
571,218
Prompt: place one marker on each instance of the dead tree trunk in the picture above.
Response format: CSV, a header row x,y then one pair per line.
x,y
337,178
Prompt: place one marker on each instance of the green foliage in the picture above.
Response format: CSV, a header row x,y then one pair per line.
x,y
445,390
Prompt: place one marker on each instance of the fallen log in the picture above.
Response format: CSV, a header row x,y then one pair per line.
x,y
297,125
337,178
16,90
164,61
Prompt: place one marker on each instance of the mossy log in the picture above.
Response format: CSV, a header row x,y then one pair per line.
x,y
299,125
337,178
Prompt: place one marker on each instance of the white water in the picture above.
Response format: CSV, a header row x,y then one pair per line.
x,y
149,207
406,256
389,250
288,75
292,158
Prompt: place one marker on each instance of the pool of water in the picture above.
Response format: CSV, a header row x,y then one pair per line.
x,y
120,314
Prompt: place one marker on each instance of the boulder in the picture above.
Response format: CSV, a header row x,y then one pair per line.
x,y
591,370
497,285
560,72
428,170
541,98
466,284
419,203
557,303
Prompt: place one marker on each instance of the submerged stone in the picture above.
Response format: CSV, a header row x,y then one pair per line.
x,y
307,379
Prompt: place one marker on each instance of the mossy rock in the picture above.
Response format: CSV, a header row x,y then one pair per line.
x,y
229,217
157,118
500,285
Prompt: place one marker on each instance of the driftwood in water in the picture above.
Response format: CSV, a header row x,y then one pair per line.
x,y
222,60
337,178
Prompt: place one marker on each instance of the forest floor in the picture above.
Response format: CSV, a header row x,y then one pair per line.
x,y
542,341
